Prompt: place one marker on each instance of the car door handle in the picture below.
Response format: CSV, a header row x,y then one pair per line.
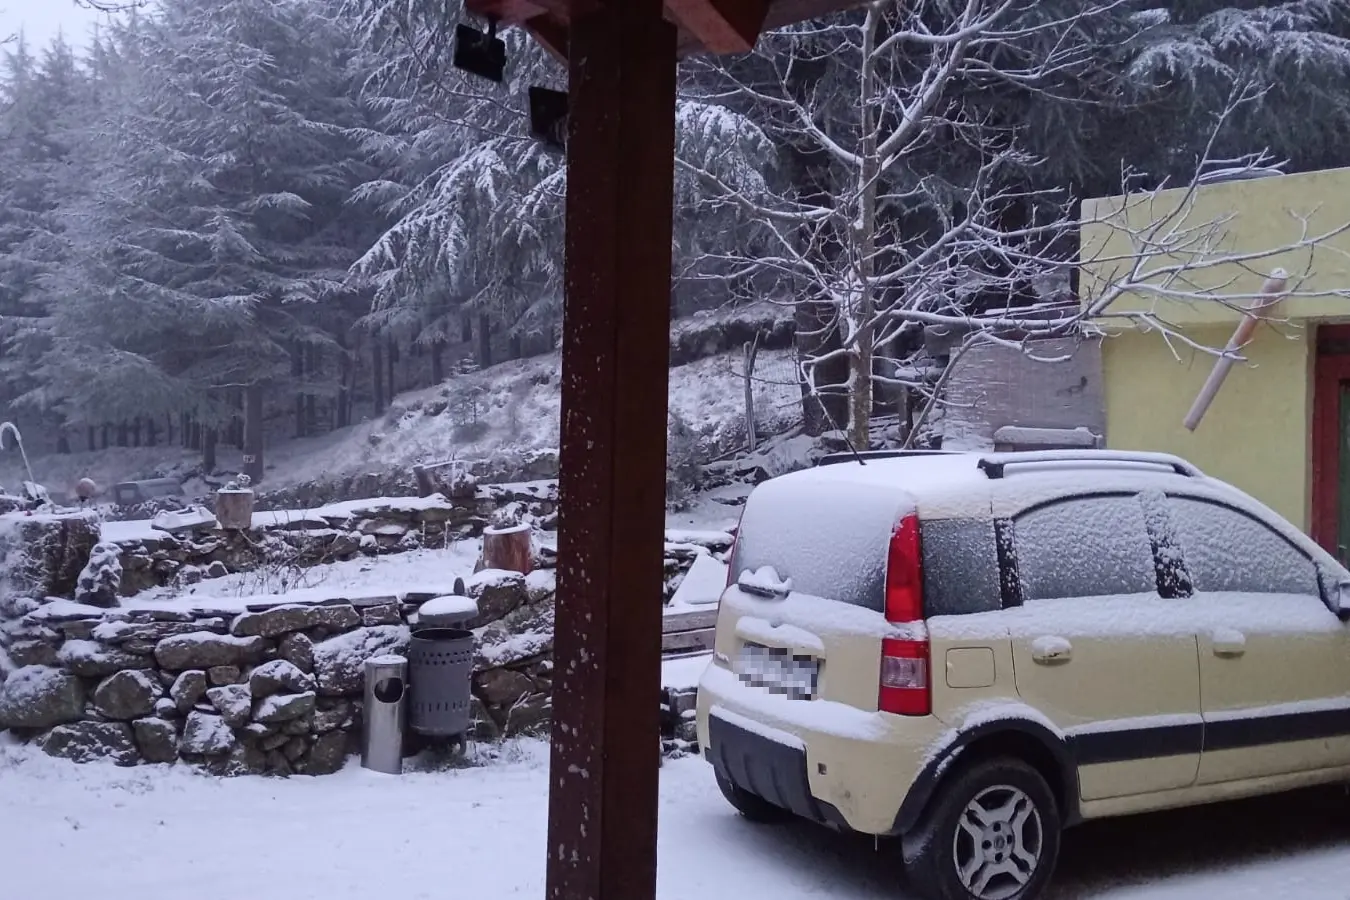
x,y
1051,650
1228,643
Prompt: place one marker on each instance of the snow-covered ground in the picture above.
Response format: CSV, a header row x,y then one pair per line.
x,y
70,831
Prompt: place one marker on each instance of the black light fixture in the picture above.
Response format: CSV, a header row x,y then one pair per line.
x,y
548,116
480,53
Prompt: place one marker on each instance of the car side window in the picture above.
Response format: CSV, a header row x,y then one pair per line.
x,y
1084,546
1228,550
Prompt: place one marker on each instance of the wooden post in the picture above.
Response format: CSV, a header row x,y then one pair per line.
x,y
751,348
607,640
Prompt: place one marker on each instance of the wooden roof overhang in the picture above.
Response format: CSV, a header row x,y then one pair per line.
x,y
705,26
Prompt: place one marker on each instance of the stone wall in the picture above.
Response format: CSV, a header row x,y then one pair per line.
x,y
304,538
270,689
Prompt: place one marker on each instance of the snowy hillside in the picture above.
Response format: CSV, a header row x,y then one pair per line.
x,y
510,407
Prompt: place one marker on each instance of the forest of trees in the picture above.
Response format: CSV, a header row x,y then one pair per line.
x,y
294,208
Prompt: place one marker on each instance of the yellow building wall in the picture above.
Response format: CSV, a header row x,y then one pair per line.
x,y
1248,218
1257,434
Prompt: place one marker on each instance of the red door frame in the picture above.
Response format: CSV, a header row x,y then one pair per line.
x,y
1331,367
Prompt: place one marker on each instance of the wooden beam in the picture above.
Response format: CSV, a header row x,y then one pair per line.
x,y
721,26
607,637
551,35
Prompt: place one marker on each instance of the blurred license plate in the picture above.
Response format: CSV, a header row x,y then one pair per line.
x,y
778,670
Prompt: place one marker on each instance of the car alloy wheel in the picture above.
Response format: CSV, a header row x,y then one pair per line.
x,y
998,843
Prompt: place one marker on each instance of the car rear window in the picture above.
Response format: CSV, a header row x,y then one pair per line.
x,y
960,567
829,536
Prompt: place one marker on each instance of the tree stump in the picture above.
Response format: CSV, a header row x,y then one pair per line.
x,y
234,509
508,548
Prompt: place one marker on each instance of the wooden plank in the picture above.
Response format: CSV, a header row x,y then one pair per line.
x,y
688,621
603,777
689,641
721,26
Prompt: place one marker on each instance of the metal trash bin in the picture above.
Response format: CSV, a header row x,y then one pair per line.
x,y
450,611
440,666
382,731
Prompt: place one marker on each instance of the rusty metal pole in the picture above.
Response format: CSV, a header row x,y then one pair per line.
x,y
607,644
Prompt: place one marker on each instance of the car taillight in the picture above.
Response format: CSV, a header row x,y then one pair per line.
x,y
904,573
904,679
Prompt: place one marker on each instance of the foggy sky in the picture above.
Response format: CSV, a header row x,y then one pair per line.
x,y
40,20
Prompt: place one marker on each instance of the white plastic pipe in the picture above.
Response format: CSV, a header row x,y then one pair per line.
x,y
1272,291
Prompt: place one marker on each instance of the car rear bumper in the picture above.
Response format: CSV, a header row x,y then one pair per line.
x,y
825,761
766,767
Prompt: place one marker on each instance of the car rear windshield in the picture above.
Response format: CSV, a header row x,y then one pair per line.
x,y
829,536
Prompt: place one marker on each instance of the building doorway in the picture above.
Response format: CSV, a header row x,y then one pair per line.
x,y
1331,441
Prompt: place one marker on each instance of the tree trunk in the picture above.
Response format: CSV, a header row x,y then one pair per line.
x,y
151,433
342,414
517,347
105,435
90,436
298,373
484,342
62,441
311,401
508,549
438,361
377,372
123,433
168,428
817,334
253,433
208,440
185,429
863,328
392,357
136,432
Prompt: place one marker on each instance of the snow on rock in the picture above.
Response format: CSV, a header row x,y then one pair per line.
x,y
338,661
281,620
89,741
100,580
284,707
206,735
91,659
129,694
157,739
279,676
497,593
204,649
187,689
233,703
40,697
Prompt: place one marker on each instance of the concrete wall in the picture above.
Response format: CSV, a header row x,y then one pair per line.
x,y
993,386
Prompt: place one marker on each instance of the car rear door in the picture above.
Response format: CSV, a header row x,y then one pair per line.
x,y
1096,648
1274,658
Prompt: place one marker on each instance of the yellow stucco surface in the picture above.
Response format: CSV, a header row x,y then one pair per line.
x,y
1247,218
1257,433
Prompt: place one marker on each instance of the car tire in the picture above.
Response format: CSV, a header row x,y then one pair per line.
x,y
752,806
991,833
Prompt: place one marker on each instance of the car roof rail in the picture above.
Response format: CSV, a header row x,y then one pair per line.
x,y
865,455
993,464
